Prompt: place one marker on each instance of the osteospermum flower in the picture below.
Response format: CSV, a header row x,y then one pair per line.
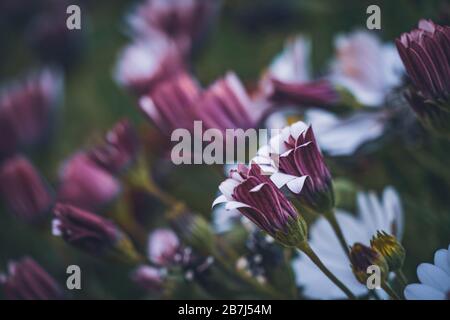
x,y
183,22
373,215
362,257
26,109
91,233
170,105
119,148
85,184
163,247
24,190
149,278
295,161
434,279
426,55
27,280
288,79
143,64
366,67
256,197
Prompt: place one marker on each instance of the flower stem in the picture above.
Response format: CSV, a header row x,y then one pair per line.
x,y
314,258
401,278
331,217
386,287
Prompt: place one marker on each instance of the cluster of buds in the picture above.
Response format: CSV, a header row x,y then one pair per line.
x,y
27,280
425,53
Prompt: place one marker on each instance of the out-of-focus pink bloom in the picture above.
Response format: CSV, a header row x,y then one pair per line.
x,y
366,67
119,149
171,104
27,280
85,184
163,246
184,22
26,110
288,79
84,230
426,55
226,105
259,199
149,278
24,190
301,166
143,64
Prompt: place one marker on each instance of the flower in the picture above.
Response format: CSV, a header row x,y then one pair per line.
x,y
390,248
27,280
365,67
24,190
257,198
301,166
143,64
434,279
288,79
183,22
373,215
119,149
163,246
426,55
149,278
90,232
344,136
26,109
362,257
85,184
170,104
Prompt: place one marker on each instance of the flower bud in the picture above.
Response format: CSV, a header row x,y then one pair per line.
x,y
24,190
92,233
163,246
362,257
148,278
27,280
390,248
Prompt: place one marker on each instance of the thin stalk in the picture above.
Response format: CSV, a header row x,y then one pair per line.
x,y
314,258
331,217
402,278
386,287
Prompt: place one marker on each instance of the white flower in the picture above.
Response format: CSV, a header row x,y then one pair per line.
x,y
434,278
343,136
366,67
373,215
292,64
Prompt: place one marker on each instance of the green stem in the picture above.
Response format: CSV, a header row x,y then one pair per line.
x,y
386,287
331,217
401,278
314,258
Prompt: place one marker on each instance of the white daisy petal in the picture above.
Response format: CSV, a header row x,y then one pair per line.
x,y
434,277
440,260
281,179
232,205
219,199
417,291
296,185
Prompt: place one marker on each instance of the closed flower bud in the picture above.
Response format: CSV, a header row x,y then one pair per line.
x,y
92,233
119,148
426,55
163,247
390,248
85,184
362,257
27,280
26,110
24,190
257,198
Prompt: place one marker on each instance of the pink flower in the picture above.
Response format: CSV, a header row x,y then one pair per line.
x,y
259,199
24,190
149,278
26,110
163,246
27,280
85,184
